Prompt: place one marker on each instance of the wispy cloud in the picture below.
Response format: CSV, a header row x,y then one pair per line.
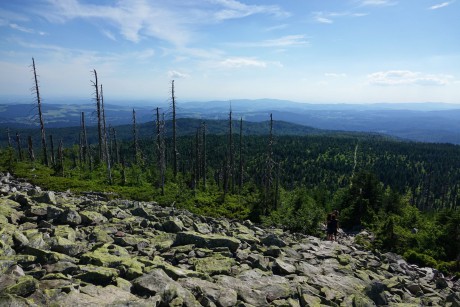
x,y
109,35
440,5
238,62
328,17
277,27
174,74
406,77
335,75
173,22
377,2
20,28
285,41
236,9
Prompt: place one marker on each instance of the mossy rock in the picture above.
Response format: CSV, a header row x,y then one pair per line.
x,y
172,271
66,232
129,240
216,264
44,256
207,241
13,300
92,218
344,259
99,234
162,241
24,286
97,275
64,246
114,256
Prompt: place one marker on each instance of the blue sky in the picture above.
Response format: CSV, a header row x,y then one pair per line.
x,y
319,51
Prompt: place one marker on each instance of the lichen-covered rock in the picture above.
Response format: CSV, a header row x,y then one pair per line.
x,y
92,218
207,241
173,225
69,217
217,294
85,251
273,240
159,283
97,275
213,265
22,286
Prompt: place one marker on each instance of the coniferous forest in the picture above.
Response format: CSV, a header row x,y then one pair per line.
x,y
406,193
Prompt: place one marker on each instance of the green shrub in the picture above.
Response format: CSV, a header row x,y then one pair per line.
x,y
420,259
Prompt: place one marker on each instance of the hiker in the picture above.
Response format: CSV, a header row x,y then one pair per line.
x,y
332,226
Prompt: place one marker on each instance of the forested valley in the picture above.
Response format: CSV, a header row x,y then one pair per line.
x,y
405,193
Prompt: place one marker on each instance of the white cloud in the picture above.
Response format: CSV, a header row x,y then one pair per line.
x,y
323,19
170,21
174,74
406,77
277,27
285,41
109,35
21,28
440,5
328,17
236,9
242,62
377,2
335,75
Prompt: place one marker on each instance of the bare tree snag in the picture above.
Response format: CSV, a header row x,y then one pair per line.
x,y
99,116
203,126
18,143
240,177
161,151
40,115
105,154
135,140
175,153
31,149
61,157
52,150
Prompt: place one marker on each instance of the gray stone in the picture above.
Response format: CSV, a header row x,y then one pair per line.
x,y
215,293
174,225
273,240
208,241
70,217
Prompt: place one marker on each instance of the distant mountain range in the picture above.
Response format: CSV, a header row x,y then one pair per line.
x,y
427,122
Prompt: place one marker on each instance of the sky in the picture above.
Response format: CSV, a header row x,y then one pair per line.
x,y
316,51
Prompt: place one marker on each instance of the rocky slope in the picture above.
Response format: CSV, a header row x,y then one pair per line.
x,y
57,249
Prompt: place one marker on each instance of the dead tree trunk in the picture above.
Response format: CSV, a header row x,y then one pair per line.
x,y
31,149
269,171
52,150
115,141
18,142
204,155
40,115
135,140
86,153
231,154
240,177
174,127
105,154
161,152
99,117
61,157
